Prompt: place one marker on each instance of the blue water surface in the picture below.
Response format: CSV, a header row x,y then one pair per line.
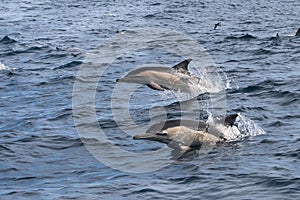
x,y
43,44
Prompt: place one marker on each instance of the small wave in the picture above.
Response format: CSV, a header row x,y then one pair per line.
x,y
32,49
4,148
149,16
262,86
108,123
60,78
279,182
263,51
36,48
12,53
277,123
25,178
270,88
60,143
290,154
243,37
155,4
65,113
145,190
8,170
69,65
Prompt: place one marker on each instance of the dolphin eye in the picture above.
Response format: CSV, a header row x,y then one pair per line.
x,y
161,133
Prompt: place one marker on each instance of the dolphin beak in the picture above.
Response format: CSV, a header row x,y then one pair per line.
x,y
153,137
137,137
146,136
124,79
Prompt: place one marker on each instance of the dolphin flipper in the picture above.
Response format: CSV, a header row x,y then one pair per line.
x,y
155,86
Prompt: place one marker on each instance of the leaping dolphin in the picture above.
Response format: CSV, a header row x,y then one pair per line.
x,y
185,134
177,78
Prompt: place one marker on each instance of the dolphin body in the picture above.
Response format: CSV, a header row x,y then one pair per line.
x,y
177,78
186,134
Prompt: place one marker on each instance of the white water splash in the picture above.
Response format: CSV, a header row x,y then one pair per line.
x,y
211,79
247,127
242,127
4,67
197,84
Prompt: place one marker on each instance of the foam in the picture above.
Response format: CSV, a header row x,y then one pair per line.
x,y
4,67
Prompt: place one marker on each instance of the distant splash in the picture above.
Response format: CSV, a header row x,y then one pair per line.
x,y
4,67
242,127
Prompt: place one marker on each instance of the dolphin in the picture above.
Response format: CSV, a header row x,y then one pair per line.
x,y
186,134
177,78
298,32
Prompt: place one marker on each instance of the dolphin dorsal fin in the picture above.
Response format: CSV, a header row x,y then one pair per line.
x,y
298,32
229,120
183,65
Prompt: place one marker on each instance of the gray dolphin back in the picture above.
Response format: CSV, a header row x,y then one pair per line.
x,y
193,124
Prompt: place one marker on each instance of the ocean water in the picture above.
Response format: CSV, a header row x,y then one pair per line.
x,y
46,45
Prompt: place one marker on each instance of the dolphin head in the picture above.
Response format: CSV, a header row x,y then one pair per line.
x,y
162,137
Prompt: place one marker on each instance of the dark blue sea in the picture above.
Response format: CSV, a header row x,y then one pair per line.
x,y
66,127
